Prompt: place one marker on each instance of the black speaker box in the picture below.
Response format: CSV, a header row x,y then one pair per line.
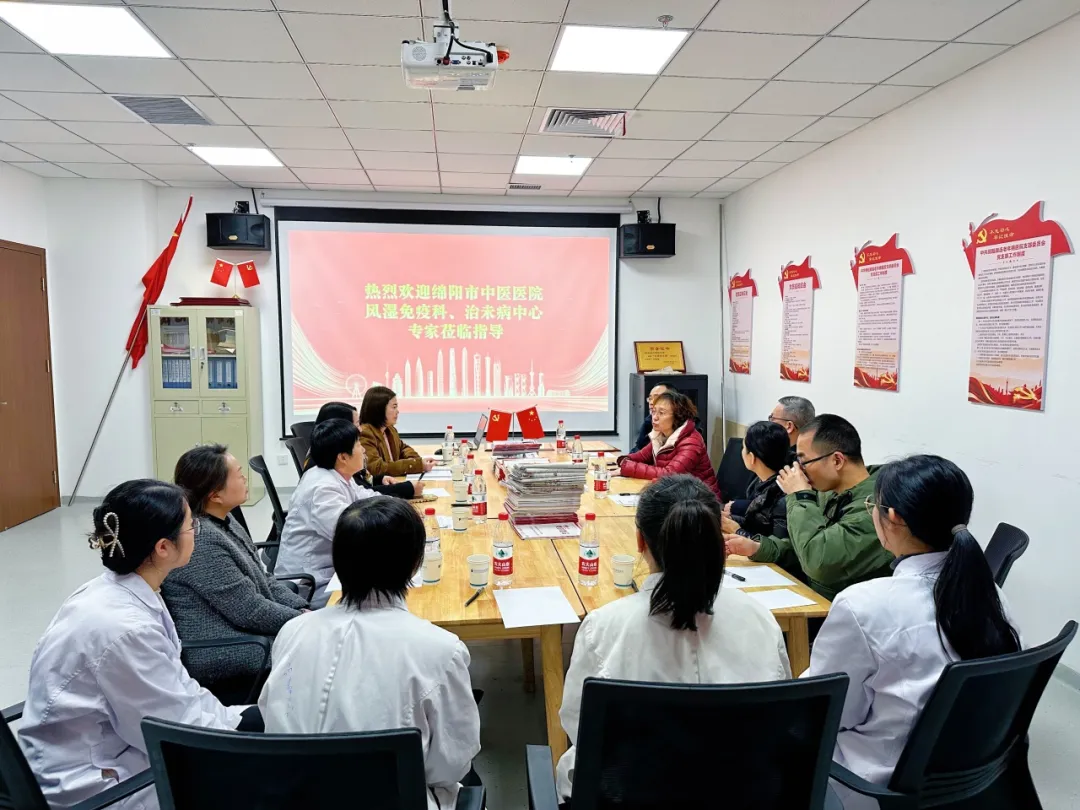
x,y
238,231
647,240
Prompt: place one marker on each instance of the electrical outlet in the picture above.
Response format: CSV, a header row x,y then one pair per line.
x,y
282,459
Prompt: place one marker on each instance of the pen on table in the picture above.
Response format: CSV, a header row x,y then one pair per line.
x,y
474,597
735,576
633,585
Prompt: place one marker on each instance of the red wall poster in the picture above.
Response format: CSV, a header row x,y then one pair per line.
x,y
741,293
797,285
878,270
1011,262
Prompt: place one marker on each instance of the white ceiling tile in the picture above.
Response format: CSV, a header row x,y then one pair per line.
x,y
222,183
318,159
478,143
214,110
599,90
677,184
514,87
593,192
107,171
599,182
44,169
256,175
460,118
491,164
879,100
349,40
712,95
333,187
626,167
303,137
158,183
365,83
548,181
727,150
340,177
394,177
69,152
249,5
73,106
701,168
383,114
29,71
390,8
712,195
193,135
485,192
675,126
257,79
36,132
626,148
801,98
507,10
11,41
16,112
184,172
245,36
637,13
856,60
108,133
755,169
406,161
729,184
787,152
474,180
282,113
724,55
530,44
945,63
780,16
562,145
10,153
829,129
392,140
155,154
1022,20
746,127
919,19
545,192
138,76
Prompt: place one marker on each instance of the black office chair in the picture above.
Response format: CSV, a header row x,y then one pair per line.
x,y
270,548
19,789
651,746
1006,546
202,769
298,449
272,543
969,746
230,693
303,430
732,475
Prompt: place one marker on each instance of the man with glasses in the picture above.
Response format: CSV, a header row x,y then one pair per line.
x,y
832,540
793,414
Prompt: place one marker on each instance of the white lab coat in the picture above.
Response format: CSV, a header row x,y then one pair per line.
x,y
740,643
306,541
378,667
109,658
883,633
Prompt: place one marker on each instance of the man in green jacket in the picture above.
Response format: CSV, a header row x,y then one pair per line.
x,y
831,536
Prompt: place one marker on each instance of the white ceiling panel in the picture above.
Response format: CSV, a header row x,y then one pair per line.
x,y
391,140
802,98
390,8
240,36
107,133
663,184
712,95
44,169
36,132
755,169
787,152
349,40
562,146
406,161
484,192
780,16
490,164
257,79
10,110
945,63
722,55
192,135
382,114
28,71
919,19
365,83
829,129
701,168
303,137
547,191
11,41
257,175
474,180
69,152
530,44
880,100
13,155
73,106
478,143
626,167
215,111
727,150
729,184
332,187
241,5
282,113
747,127
514,87
1022,20
599,182
107,171
592,90
154,154
393,177
184,172
626,148
461,118
856,60
675,126
318,158
506,10
548,181
637,13
339,177
138,76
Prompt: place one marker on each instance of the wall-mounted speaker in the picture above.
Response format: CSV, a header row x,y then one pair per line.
x,y
238,231
647,240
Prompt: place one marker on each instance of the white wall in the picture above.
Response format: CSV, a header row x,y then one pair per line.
x,y
994,140
22,207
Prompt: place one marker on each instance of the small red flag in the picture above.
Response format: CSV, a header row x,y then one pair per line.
x,y
222,272
498,427
248,274
529,420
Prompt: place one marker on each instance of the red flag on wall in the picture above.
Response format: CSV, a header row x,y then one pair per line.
x,y
529,420
498,427
248,274
153,282
221,274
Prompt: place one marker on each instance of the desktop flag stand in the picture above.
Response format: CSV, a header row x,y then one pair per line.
x,y
501,423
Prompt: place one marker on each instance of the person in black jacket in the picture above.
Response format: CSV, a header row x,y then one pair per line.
x,y
764,453
383,484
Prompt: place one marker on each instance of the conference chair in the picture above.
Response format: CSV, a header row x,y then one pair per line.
x,y
293,581
273,540
969,746
298,449
303,430
230,694
651,746
1006,546
732,475
202,769
19,789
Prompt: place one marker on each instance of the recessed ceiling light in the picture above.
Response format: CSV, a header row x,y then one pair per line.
x,y
616,50
572,166
83,30
236,156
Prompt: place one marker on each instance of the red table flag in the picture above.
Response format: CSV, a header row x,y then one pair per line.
x,y
248,274
222,272
498,427
529,420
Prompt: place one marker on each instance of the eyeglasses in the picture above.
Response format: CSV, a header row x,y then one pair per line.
x,y
778,420
870,506
809,461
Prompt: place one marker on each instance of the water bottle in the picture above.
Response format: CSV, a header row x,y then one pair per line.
x,y
577,455
479,498
601,476
470,464
502,552
448,437
463,450
560,438
589,553
431,530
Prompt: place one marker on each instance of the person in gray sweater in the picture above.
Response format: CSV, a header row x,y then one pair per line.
x,y
224,591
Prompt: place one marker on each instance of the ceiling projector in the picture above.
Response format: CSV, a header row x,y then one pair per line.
x,y
448,63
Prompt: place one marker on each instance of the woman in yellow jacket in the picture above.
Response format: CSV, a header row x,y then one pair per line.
x,y
386,453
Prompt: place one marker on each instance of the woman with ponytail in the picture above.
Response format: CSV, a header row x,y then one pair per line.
x,y
682,627
894,636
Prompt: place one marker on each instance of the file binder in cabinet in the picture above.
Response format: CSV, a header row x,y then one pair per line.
x,y
206,385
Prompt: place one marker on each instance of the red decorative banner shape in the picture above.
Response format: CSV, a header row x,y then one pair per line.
x,y
741,293
738,282
1031,224
797,285
877,329
792,271
875,254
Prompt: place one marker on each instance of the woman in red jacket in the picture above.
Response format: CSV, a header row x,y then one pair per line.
x,y
674,447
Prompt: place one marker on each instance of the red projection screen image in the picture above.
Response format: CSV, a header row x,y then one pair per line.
x,y
456,319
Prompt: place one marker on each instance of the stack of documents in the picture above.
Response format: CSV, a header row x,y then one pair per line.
x,y
544,493
515,448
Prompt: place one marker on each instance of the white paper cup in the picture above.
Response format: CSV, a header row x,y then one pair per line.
x,y
462,514
623,567
479,567
461,490
432,567
457,472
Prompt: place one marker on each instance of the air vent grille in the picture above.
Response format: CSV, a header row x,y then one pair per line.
x,y
163,110
598,123
524,187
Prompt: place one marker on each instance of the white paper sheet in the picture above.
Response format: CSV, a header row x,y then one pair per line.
x,y
543,531
438,492
780,598
756,576
445,522
437,474
626,500
531,607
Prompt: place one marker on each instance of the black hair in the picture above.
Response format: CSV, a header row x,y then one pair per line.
x,y
330,439
934,497
201,472
335,410
835,434
373,408
378,547
769,443
666,385
679,517
132,518
682,407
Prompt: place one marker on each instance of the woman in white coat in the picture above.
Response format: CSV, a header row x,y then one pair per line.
x,y
368,664
894,636
111,656
682,627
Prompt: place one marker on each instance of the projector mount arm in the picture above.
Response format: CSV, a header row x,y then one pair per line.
x,y
447,33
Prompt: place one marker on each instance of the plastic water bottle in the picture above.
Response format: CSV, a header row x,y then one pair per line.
x,y
560,438
601,477
431,531
448,437
502,552
589,553
470,464
463,450
479,497
577,455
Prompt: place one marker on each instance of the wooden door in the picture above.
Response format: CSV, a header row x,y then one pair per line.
x,y
28,472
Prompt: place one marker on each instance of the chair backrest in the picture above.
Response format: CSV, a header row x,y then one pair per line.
x,y
298,449
258,464
202,769
303,430
238,516
647,746
732,474
18,788
976,717
1006,546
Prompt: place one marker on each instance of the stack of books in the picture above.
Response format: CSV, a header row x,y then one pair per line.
x,y
544,493
515,448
